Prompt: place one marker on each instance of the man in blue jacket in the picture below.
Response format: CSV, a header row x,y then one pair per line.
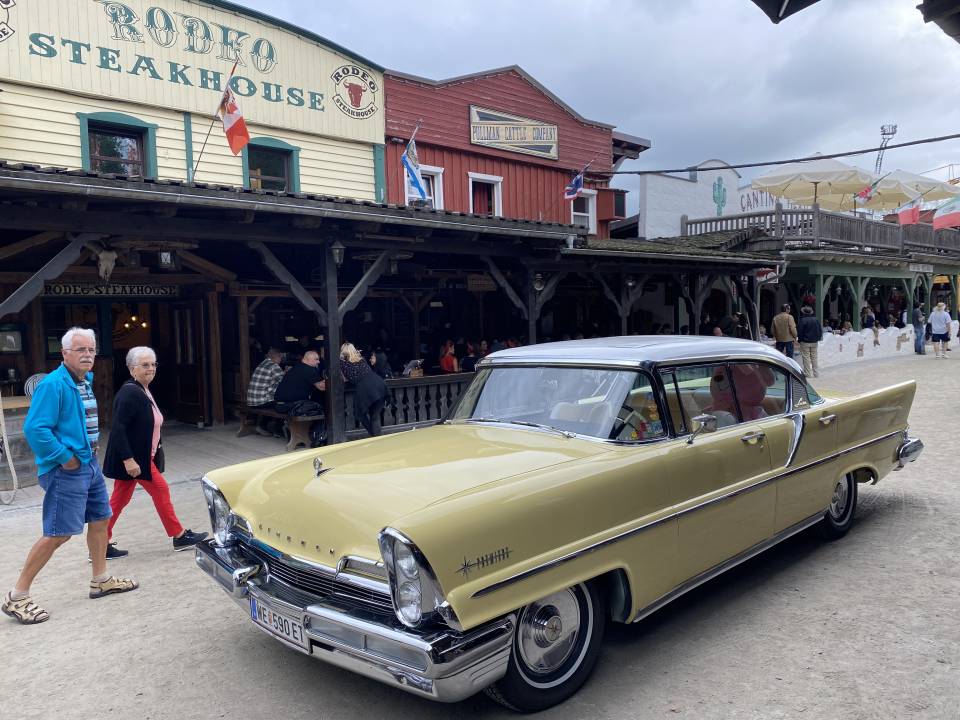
x,y
62,429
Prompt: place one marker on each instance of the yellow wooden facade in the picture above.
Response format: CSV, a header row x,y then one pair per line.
x,y
64,59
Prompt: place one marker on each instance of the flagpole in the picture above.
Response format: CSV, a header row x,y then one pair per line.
x,y
193,170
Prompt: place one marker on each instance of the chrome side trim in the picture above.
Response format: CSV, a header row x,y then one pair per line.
x,y
570,556
798,425
629,533
726,565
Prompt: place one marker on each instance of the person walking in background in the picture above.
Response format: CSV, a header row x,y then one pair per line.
x,y
919,322
370,390
62,429
784,330
263,386
940,330
809,335
135,455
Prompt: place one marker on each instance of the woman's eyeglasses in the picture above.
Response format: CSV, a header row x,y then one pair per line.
x,y
147,366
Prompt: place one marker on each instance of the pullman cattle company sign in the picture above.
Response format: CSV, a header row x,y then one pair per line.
x,y
495,129
178,54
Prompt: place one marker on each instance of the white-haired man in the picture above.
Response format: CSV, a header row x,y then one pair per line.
x,y
62,429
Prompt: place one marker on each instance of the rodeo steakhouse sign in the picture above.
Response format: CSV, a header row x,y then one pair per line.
x,y
179,53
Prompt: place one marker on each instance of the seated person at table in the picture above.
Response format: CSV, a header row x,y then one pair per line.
x,y
263,385
300,382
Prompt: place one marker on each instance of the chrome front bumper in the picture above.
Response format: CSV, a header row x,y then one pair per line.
x,y
908,451
440,665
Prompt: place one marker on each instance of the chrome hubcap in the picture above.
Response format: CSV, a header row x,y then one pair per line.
x,y
548,631
841,495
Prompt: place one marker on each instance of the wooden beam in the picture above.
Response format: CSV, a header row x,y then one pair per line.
x,y
284,276
243,321
256,303
22,296
361,288
216,358
195,262
38,350
507,287
336,422
34,241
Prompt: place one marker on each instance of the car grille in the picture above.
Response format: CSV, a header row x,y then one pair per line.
x,y
318,583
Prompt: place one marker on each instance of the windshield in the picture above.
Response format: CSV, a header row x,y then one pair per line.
x,y
597,402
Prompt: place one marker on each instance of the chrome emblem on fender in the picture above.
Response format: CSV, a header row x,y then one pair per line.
x,y
482,561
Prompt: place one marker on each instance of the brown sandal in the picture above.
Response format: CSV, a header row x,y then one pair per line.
x,y
112,585
24,611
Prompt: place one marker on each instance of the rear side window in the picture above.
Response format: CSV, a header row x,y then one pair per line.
x,y
803,395
761,389
704,389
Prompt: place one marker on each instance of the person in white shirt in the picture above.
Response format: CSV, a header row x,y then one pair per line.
x,y
940,329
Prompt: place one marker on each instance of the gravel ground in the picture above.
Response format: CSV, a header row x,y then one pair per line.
x,y
865,627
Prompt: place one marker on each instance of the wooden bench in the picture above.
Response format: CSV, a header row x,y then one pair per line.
x,y
297,426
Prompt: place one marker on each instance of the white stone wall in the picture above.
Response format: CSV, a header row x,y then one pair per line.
x,y
858,346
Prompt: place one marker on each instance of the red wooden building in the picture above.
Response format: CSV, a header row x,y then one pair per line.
x,y
499,143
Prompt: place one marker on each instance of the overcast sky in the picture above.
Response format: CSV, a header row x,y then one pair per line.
x,y
699,78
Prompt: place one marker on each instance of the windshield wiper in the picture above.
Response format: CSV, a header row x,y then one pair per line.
x,y
524,423
565,433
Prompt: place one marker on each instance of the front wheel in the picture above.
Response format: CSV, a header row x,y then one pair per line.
x,y
554,650
839,515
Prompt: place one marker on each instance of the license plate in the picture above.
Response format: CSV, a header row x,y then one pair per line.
x,y
278,623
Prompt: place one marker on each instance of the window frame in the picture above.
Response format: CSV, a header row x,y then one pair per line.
x,y
123,124
496,181
591,197
270,143
436,174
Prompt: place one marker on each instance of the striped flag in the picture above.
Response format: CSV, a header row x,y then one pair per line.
x,y
574,188
947,215
868,192
909,214
233,123
411,162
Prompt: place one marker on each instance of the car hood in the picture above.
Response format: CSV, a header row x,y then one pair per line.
x,y
366,485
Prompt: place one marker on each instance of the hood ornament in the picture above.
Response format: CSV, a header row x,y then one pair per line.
x,y
318,467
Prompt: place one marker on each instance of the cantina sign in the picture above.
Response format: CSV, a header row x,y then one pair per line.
x,y
492,128
94,290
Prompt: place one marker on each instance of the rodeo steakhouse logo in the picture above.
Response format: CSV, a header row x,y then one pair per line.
x,y
5,30
355,91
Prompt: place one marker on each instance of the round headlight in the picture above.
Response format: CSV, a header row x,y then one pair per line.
x,y
409,602
406,563
221,516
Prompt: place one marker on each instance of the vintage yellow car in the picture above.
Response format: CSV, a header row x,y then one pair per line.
x,y
571,485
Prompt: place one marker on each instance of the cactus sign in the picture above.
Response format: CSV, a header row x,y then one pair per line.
x,y
719,195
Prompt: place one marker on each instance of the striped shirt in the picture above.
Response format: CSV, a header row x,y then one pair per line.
x,y
91,420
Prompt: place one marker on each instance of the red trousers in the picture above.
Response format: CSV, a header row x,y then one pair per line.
x,y
160,493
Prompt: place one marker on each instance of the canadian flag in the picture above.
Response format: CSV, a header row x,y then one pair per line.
x,y
233,124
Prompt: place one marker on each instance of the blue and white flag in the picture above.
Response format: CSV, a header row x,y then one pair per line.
x,y
573,189
412,164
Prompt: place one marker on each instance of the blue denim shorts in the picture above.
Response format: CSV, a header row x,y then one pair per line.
x,y
73,498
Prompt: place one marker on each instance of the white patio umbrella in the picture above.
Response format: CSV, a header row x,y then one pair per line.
x,y
805,182
891,191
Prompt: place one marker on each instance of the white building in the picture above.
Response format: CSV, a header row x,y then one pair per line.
x,y
711,188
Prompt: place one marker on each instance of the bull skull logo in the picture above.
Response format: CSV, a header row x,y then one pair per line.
x,y
5,30
356,91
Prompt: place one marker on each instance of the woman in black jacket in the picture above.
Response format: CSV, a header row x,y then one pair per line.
x,y
370,390
134,454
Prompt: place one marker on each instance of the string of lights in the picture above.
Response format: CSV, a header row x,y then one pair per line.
x,y
767,163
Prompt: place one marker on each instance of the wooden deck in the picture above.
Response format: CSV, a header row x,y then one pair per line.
x,y
813,228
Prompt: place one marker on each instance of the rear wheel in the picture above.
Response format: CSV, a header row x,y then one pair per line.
x,y
843,505
554,650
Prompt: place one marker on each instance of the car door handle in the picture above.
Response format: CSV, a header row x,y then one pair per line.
x,y
754,437
827,419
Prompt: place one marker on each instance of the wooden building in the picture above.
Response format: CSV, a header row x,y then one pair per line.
x,y
499,143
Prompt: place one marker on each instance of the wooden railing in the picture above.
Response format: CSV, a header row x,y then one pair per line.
x,y
416,402
813,227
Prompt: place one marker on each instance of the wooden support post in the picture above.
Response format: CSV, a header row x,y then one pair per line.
x,y
416,307
533,314
363,287
243,321
336,422
38,349
818,309
287,278
216,358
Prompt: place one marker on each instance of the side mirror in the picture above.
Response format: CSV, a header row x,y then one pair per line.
x,y
705,424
